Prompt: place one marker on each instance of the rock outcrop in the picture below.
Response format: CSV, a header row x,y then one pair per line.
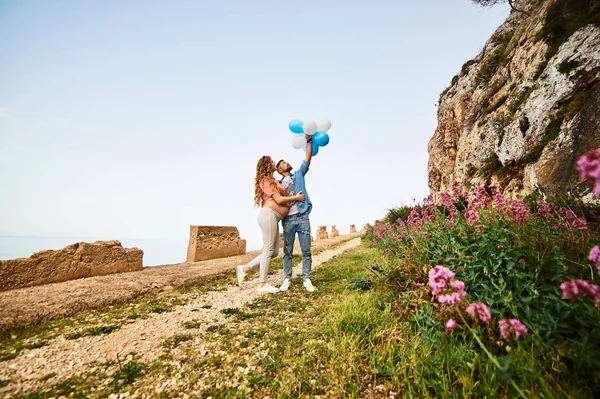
x,y
211,242
72,262
520,114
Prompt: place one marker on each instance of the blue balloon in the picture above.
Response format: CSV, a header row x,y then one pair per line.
x,y
296,126
320,138
315,149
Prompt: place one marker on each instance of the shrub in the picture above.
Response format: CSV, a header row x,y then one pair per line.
x,y
490,165
521,98
512,257
398,213
496,105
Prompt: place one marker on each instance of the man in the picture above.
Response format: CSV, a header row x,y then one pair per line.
x,y
297,220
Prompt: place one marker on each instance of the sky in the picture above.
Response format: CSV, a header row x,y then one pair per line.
x,y
139,118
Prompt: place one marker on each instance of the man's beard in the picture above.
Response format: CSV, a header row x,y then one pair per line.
x,y
289,169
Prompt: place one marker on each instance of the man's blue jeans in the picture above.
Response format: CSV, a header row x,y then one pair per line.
x,y
298,223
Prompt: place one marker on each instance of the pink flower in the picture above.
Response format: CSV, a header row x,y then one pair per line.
x,y
457,285
578,289
546,209
387,250
480,199
589,167
569,214
439,277
499,202
472,217
521,261
479,312
521,210
451,325
580,224
595,256
451,299
510,328
446,200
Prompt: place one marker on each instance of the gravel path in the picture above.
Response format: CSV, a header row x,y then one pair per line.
x,y
63,358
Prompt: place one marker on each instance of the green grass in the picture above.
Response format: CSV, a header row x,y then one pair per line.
x,y
495,106
175,340
93,331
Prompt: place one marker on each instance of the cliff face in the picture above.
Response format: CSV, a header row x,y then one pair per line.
x,y
520,114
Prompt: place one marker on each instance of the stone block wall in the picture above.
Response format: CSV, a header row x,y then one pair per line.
x,y
72,262
352,229
211,242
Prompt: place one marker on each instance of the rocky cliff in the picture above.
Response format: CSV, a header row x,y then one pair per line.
x,y
520,113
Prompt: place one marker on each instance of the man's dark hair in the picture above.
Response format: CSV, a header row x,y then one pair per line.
x,y
278,163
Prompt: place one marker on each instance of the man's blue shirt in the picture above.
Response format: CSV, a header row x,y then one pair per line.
x,y
300,185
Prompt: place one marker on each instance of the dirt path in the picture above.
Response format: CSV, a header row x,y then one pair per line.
x,y
61,358
31,305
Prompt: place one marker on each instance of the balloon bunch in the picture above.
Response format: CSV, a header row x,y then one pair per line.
x,y
318,131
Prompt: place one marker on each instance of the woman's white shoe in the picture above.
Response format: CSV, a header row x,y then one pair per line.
x,y
267,288
241,274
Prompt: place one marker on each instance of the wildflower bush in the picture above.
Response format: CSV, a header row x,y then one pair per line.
x,y
515,282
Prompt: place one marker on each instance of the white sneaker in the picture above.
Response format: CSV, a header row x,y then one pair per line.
x,y
267,288
241,274
308,285
285,285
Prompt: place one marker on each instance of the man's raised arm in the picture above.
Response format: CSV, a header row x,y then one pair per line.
x,y
309,145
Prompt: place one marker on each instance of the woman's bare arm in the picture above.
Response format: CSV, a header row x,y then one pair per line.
x,y
281,200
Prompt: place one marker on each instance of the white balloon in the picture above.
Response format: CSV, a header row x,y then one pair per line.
x,y
309,127
298,141
324,125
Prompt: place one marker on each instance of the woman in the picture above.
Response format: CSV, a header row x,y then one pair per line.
x,y
268,193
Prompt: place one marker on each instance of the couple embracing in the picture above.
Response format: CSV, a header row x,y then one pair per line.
x,y
286,201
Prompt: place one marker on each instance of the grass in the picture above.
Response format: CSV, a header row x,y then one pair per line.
x,y
93,331
490,165
516,104
491,108
175,340
567,66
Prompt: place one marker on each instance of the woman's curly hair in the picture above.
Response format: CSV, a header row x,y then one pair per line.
x,y
263,171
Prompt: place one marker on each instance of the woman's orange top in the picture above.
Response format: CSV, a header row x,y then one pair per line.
x,y
268,189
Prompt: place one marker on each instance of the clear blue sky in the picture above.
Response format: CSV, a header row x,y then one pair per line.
x,y
137,119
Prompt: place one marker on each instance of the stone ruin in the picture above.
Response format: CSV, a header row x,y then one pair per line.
x,y
211,242
352,229
72,262
322,233
334,232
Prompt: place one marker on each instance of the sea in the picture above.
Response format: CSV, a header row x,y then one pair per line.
x,y
156,251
